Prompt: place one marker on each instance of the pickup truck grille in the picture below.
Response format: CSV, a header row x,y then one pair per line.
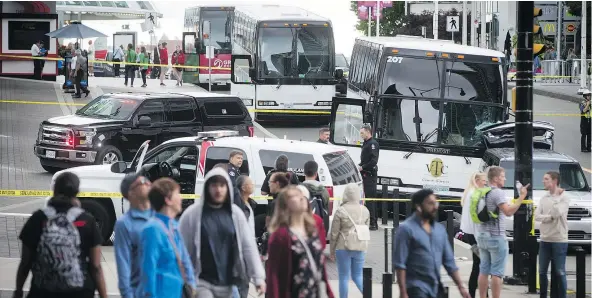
x,y
577,213
55,135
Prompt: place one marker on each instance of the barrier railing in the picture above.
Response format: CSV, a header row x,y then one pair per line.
x,y
557,71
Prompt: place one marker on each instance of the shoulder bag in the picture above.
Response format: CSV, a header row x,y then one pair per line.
x,y
188,290
362,231
316,271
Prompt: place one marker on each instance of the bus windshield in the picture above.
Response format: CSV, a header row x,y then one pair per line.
x,y
437,110
220,30
296,52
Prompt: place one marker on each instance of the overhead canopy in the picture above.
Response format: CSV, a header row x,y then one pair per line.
x,y
107,10
75,30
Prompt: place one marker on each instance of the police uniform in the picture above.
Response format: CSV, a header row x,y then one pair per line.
x,y
585,128
369,164
233,172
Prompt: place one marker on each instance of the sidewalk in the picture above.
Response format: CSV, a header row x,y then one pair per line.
x,y
563,91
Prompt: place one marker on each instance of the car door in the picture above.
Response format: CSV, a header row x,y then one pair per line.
x,y
184,119
135,135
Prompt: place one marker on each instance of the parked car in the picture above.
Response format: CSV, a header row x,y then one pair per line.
x,y
572,179
112,127
187,160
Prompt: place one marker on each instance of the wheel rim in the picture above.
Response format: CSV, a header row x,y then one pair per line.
x,y
110,158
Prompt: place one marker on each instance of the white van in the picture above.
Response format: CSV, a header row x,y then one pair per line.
x,y
188,159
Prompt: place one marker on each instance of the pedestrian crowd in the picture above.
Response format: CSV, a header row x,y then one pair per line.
x,y
218,247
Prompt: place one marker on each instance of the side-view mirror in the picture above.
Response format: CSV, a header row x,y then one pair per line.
x,y
368,117
144,121
339,74
252,72
119,167
241,69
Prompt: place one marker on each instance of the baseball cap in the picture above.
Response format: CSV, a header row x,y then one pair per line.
x,y
127,182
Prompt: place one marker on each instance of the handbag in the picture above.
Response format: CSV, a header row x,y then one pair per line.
x,y
316,271
362,231
188,290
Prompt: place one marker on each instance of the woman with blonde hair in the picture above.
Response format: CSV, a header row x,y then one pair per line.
x,y
469,227
350,233
296,263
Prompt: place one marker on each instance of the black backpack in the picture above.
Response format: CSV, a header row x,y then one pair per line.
x,y
317,203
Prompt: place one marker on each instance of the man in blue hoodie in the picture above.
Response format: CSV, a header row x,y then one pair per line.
x,y
128,229
218,238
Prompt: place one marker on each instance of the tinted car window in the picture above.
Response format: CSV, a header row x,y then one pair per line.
x,y
296,161
172,155
571,175
153,109
181,110
223,108
342,168
216,155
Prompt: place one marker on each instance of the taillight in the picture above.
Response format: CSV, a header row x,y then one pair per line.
x,y
70,139
251,131
330,191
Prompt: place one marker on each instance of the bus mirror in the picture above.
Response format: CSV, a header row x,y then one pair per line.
x,y
368,117
252,72
339,74
241,69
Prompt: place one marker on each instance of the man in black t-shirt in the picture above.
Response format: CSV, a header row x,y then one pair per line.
x,y
90,245
281,165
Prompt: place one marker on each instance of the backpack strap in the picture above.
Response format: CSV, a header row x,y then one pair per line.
x,y
73,213
49,212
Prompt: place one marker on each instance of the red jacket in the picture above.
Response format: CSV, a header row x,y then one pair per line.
x,y
179,58
279,262
163,54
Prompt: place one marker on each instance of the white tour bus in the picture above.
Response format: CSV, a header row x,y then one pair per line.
x,y
434,107
283,58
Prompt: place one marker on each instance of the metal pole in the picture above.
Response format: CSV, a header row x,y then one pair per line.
x,y
384,204
483,19
583,54
210,73
377,13
523,134
559,31
367,282
435,20
369,21
472,24
463,23
580,272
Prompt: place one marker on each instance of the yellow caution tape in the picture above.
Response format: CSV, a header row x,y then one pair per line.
x,y
112,62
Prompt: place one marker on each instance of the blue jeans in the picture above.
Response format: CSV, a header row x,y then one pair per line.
x,y
349,263
558,253
493,251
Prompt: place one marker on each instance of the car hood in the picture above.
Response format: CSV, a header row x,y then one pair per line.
x,y
95,178
75,120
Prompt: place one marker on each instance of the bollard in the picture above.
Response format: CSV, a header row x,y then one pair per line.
x,y
409,208
384,205
395,209
580,273
387,285
445,293
393,233
532,264
450,227
367,283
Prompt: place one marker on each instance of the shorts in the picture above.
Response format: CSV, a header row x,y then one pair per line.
x,y
493,251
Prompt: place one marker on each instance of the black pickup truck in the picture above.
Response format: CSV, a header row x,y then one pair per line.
x,y
112,127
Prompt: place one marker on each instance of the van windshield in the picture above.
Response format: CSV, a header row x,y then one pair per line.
x,y
342,168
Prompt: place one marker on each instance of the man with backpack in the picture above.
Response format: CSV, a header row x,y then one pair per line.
x,y
281,165
486,204
319,196
128,230
61,247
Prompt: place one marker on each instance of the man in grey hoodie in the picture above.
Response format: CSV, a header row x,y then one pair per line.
x,y
221,245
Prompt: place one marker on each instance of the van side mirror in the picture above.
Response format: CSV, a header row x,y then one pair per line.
x,y
144,121
119,167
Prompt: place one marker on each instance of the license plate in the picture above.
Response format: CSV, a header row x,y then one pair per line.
x,y
437,188
50,154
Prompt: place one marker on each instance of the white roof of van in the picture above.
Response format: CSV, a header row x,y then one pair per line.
x,y
420,43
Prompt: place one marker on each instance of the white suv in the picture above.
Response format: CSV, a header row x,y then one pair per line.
x,y
188,159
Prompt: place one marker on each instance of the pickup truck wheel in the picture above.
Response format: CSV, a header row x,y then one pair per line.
x,y
108,155
104,222
49,169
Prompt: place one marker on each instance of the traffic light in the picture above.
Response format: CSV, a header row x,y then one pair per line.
x,y
538,12
537,48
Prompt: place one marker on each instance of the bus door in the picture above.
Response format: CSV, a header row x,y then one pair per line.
x,y
190,46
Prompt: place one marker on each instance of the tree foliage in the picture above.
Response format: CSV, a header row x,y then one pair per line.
x,y
395,22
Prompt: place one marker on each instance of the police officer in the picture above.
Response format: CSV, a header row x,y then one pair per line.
x,y
235,161
369,169
324,133
585,121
